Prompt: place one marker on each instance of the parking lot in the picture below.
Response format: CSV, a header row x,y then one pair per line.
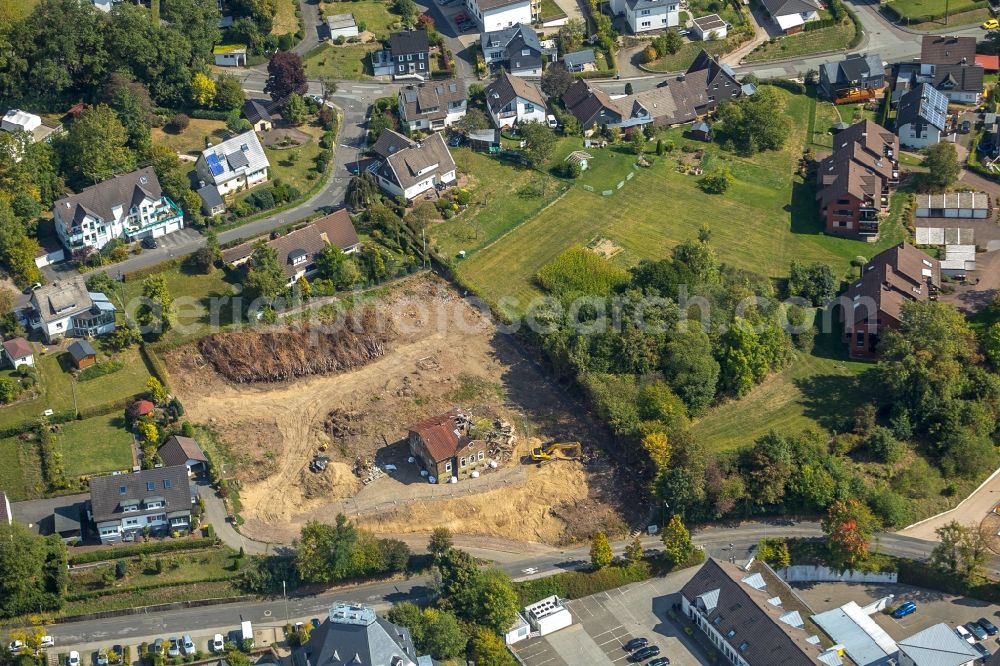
x,y
932,607
603,623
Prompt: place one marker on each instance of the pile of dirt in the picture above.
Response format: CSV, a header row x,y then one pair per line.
x,y
284,353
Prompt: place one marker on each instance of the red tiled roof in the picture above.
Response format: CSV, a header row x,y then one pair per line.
x,y
442,435
142,407
990,63
17,348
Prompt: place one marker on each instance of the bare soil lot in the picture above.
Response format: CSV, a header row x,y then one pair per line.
x,y
443,353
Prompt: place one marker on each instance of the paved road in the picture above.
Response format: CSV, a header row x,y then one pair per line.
x,y
314,27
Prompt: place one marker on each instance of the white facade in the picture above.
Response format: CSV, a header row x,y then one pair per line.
x,y
49,258
16,120
918,135
500,17
235,164
518,631
342,25
431,181
647,16
519,110
112,531
231,58
28,360
548,615
140,221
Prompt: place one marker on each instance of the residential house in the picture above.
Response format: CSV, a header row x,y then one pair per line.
x,y
791,15
707,28
297,249
646,15
258,112
937,645
381,62
516,48
444,447
432,105
964,205
159,499
341,25
949,64
16,120
510,100
921,117
411,54
66,308
751,616
873,303
235,164
83,354
409,168
230,55
179,450
858,76
855,181
128,207
494,15
353,635
18,352
580,61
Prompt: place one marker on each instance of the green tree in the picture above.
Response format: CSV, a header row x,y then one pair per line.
x,y
286,75
672,43
638,141
157,391
774,552
203,90
488,649
96,147
295,110
716,182
601,554
265,280
408,614
229,93
8,390
743,359
442,635
691,368
813,282
556,79
155,313
991,344
848,526
440,542
942,165
33,576
756,122
407,11
541,141
325,552
634,551
884,446
490,602
677,544
474,119
767,468
571,35
961,551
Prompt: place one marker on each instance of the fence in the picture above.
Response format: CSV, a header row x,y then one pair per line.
x,y
804,573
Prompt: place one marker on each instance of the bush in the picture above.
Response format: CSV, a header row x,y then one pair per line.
x,y
100,370
577,584
178,123
579,271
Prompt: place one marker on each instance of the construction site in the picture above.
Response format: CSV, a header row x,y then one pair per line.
x,y
323,426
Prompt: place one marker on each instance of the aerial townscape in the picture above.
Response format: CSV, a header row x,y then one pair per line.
x,y
499,332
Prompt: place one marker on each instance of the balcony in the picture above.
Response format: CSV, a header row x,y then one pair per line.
x,y
506,114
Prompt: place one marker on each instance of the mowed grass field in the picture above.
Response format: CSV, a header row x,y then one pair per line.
x,y
285,20
804,43
917,8
20,469
765,220
191,141
339,62
99,444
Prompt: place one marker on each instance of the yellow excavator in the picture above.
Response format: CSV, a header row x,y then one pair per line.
x,y
567,450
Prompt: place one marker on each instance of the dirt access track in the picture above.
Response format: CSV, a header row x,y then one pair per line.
x,y
443,353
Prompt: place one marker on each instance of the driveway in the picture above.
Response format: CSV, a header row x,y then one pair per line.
x,y
315,29
969,511
217,516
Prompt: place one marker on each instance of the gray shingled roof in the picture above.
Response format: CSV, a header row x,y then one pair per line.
x,y
178,450
360,638
501,38
430,99
580,58
785,7
98,200
80,350
108,493
256,110
405,165
508,87
938,645
411,41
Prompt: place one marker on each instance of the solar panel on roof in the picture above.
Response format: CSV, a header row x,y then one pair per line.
x,y
214,165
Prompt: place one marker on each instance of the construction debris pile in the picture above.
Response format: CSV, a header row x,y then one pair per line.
x,y
282,353
366,470
501,438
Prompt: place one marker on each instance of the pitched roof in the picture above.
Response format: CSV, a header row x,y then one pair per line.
x,y
411,41
855,67
893,277
947,50
639,5
390,142
109,493
990,63
870,135
785,7
256,110
236,156
340,21
333,229
443,435
64,298
177,450
756,629
355,636
412,165
586,103
938,645
430,99
923,103
580,58
507,87
960,78
210,196
17,348
101,199
80,350
502,38
974,200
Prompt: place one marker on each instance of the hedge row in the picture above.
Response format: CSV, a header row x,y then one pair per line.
x,y
793,87
576,584
819,25
859,32
919,574
136,549
154,365
104,408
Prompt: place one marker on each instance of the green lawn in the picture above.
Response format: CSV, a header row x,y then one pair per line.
x,y
854,113
20,469
99,444
187,567
285,20
201,302
550,10
765,220
502,197
827,115
297,173
608,167
191,141
920,8
374,14
340,62
805,43
971,17
681,60
57,386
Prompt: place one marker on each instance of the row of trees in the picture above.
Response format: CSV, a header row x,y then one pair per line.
x,y
33,574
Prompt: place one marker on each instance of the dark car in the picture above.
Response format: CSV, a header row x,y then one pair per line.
x,y
981,649
157,646
636,643
119,652
149,243
965,127
659,661
315,622
645,653
990,628
976,631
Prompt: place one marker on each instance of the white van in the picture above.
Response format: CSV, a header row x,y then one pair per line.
x,y
247,631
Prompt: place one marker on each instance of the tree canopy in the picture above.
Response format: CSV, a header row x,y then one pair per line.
x,y
755,122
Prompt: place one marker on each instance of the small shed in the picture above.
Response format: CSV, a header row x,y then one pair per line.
x,y
580,157
707,28
342,25
139,408
701,131
580,61
179,450
487,141
257,111
212,203
18,352
83,354
230,55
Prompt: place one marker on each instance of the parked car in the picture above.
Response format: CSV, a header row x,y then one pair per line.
x,y
636,643
102,657
964,634
188,644
48,641
982,650
645,653
990,628
217,644
551,121
15,646
157,647
73,659
119,653
316,98
991,24
659,661
965,127
904,609
149,243
174,649
976,630
684,33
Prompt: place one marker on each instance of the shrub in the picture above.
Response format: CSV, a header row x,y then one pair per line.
x,y
577,270
178,123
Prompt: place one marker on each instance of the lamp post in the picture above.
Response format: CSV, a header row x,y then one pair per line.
x,y
285,596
